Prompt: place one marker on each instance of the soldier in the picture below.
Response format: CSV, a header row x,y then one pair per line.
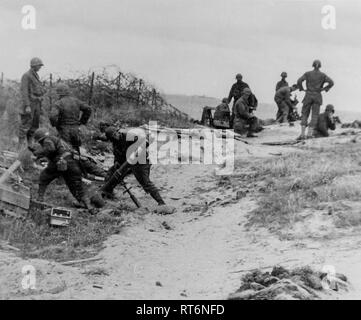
x,y
325,122
315,81
282,83
32,92
222,111
60,164
67,115
122,167
236,93
245,120
284,103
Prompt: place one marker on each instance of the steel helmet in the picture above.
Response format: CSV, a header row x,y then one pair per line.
x,y
34,62
246,90
62,89
40,134
284,74
239,76
225,100
316,63
330,108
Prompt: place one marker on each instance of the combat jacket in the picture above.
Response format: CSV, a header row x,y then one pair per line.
x,y
67,110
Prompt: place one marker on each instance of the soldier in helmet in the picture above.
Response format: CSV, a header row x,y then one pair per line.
x,y
282,83
68,114
315,82
60,164
284,103
325,122
222,111
245,120
122,143
236,92
32,92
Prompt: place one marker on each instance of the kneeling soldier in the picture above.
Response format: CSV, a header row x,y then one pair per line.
x,y
325,122
60,164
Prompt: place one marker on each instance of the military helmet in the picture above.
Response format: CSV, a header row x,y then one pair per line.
x,y
330,108
316,63
284,74
34,62
62,89
246,90
40,134
225,100
239,76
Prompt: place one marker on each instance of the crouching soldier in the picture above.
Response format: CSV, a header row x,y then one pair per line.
x,y
325,122
122,167
67,115
245,120
284,103
60,164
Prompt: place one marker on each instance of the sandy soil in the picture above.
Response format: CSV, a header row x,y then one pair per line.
x,y
201,251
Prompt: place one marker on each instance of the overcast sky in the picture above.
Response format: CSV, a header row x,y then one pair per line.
x,y
190,46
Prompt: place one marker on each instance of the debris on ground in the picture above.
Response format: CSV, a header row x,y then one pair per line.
x,y
283,284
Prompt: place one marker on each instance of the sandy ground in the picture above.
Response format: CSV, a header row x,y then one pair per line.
x,y
200,252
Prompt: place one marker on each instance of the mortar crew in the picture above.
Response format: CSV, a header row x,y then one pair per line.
x,y
282,83
68,114
60,164
325,122
122,166
284,103
236,92
32,92
315,83
245,120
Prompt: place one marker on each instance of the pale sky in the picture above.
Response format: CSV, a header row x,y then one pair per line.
x,y
190,46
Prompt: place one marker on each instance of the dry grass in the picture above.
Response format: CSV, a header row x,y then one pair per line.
x,y
305,180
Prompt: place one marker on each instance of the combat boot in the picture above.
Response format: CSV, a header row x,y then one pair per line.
x,y
303,134
310,133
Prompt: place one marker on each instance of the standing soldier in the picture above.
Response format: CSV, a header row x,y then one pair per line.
x,y
32,92
68,114
236,92
315,81
60,164
282,83
245,120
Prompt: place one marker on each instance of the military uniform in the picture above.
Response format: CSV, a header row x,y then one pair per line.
x,y
65,116
236,93
312,102
324,123
280,84
122,167
54,149
284,104
244,120
32,92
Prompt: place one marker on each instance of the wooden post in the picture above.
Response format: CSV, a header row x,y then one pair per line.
x,y
139,91
118,88
91,89
51,91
